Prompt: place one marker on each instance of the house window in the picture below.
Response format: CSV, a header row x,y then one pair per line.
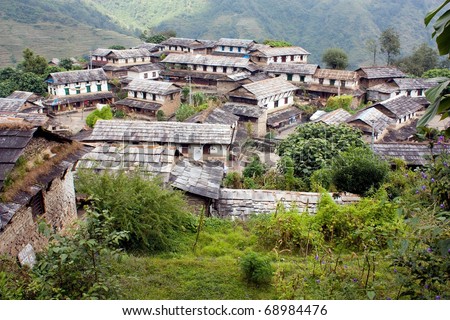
x,y
145,75
154,74
171,96
66,90
134,59
142,59
144,95
153,97
276,104
292,58
231,49
224,69
205,68
302,78
99,87
126,60
420,92
135,94
223,48
283,59
185,149
332,82
289,76
195,67
286,100
320,80
408,93
37,204
275,59
78,90
239,49
343,83
214,69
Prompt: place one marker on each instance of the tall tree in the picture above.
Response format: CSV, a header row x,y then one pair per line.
x,y
335,58
153,36
423,59
390,44
372,47
33,63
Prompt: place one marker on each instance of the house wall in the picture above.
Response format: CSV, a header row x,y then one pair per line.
x,y
174,48
152,74
208,152
171,105
349,84
232,49
60,211
129,60
299,58
296,77
283,99
78,88
223,87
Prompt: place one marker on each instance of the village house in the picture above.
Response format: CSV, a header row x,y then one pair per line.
x,y
36,183
186,45
214,115
149,96
373,123
298,73
144,71
233,81
265,55
337,116
77,89
372,76
252,102
191,140
401,109
283,119
411,87
233,47
203,70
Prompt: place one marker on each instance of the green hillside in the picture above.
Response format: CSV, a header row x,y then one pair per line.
x,y
55,29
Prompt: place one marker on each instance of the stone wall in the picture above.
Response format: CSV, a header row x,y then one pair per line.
x,y
60,211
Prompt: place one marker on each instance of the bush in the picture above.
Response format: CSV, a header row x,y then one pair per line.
x,y
105,114
257,269
233,180
254,169
343,102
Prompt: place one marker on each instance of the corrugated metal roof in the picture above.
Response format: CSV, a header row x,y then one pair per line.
x,y
152,87
58,78
295,68
200,178
161,132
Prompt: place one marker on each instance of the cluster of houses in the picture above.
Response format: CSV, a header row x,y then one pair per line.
x,y
260,87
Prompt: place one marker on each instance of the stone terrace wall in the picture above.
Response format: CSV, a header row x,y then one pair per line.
x,y
238,203
60,206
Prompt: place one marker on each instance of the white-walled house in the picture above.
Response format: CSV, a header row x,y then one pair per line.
x,y
187,45
266,55
295,72
411,87
401,109
79,88
144,71
228,46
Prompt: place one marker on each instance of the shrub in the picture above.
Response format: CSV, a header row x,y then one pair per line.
x,y
343,102
233,180
254,169
105,114
256,268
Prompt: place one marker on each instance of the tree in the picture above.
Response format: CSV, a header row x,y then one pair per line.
x,y
372,47
117,47
152,216
254,169
358,170
390,44
335,58
277,43
33,63
439,96
66,63
423,58
314,145
436,73
153,36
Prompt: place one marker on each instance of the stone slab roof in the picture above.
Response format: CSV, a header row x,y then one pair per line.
x,y
152,47
35,119
229,42
129,53
336,74
161,132
274,118
243,109
58,78
199,178
372,117
414,83
279,51
238,203
8,105
139,104
267,88
22,95
412,153
78,98
207,60
101,52
295,68
152,87
399,106
193,74
335,117
145,67
381,72
216,115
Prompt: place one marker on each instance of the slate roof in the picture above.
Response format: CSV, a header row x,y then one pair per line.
x,y
35,119
381,72
383,88
241,203
58,78
12,143
161,132
269,87
145,67
216,115
372,117
411,153
207,60
229,42
413,83
400,106
274,118
200,178
243,109
152,47
335,117
100,52
193,74
129,53
336,74
279,51
22,95
78,98
8,105
148,159
139,104
182,42
297,68
152,86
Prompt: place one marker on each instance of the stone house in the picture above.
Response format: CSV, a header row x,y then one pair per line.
x,y
265,55
371,121
77,89
144,71
186,45
294,72
401,109
372,76
149,96
411,87
191,140
414,154
233,81
233,47
45,191
101,57
334,117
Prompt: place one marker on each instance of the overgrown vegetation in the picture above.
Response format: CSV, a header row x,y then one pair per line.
x,y
105,113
